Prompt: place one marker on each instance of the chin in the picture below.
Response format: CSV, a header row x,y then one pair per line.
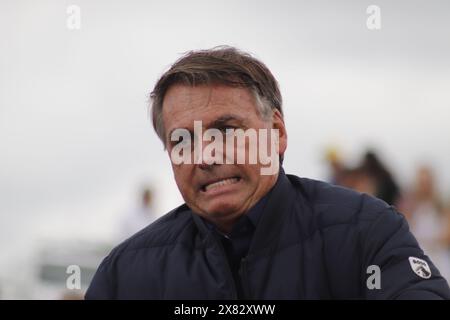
x,y
221,208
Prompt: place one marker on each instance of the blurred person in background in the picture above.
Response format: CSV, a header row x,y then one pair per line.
x,y
140,216
370,176
336,165
428,218
359,180
386,188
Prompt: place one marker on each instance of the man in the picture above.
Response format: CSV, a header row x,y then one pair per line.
x,y
244,233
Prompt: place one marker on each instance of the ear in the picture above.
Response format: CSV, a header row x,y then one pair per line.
x,y
278,123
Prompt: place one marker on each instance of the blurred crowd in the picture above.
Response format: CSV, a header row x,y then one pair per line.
x,y
427,211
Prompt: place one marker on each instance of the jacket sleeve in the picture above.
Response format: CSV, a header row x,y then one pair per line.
x,y
405,271
102,286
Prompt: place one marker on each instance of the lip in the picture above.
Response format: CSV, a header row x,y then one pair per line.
x,y
222,188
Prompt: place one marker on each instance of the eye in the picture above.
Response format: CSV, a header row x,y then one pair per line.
x,y
227,128
181,142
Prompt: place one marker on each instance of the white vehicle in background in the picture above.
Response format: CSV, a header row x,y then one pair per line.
x,y
65,270
56,270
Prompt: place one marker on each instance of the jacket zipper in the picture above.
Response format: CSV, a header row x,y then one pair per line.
x,y
228,270
244,279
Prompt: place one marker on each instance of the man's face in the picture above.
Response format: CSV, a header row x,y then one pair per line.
x,y
218,192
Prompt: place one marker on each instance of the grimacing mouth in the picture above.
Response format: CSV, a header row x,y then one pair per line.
x,y
215,180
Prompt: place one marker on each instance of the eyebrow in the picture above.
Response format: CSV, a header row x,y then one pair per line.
x,y
222,120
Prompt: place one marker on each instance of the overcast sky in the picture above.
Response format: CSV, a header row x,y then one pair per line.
x,y
75,138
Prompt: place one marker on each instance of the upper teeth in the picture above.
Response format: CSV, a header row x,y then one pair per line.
x,y
221,183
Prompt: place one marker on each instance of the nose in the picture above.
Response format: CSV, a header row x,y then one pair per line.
x,y
209,156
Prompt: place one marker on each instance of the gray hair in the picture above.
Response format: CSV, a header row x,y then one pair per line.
x,y
222,65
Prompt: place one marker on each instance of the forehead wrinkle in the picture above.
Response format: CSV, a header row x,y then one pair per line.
x,y
203,101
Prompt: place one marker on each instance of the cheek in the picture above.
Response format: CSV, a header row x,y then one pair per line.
x,y
183,178
251,175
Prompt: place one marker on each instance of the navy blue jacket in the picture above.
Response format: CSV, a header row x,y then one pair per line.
x,y
314,240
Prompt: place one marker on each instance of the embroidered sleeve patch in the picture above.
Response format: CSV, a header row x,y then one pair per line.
x,y
420,267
